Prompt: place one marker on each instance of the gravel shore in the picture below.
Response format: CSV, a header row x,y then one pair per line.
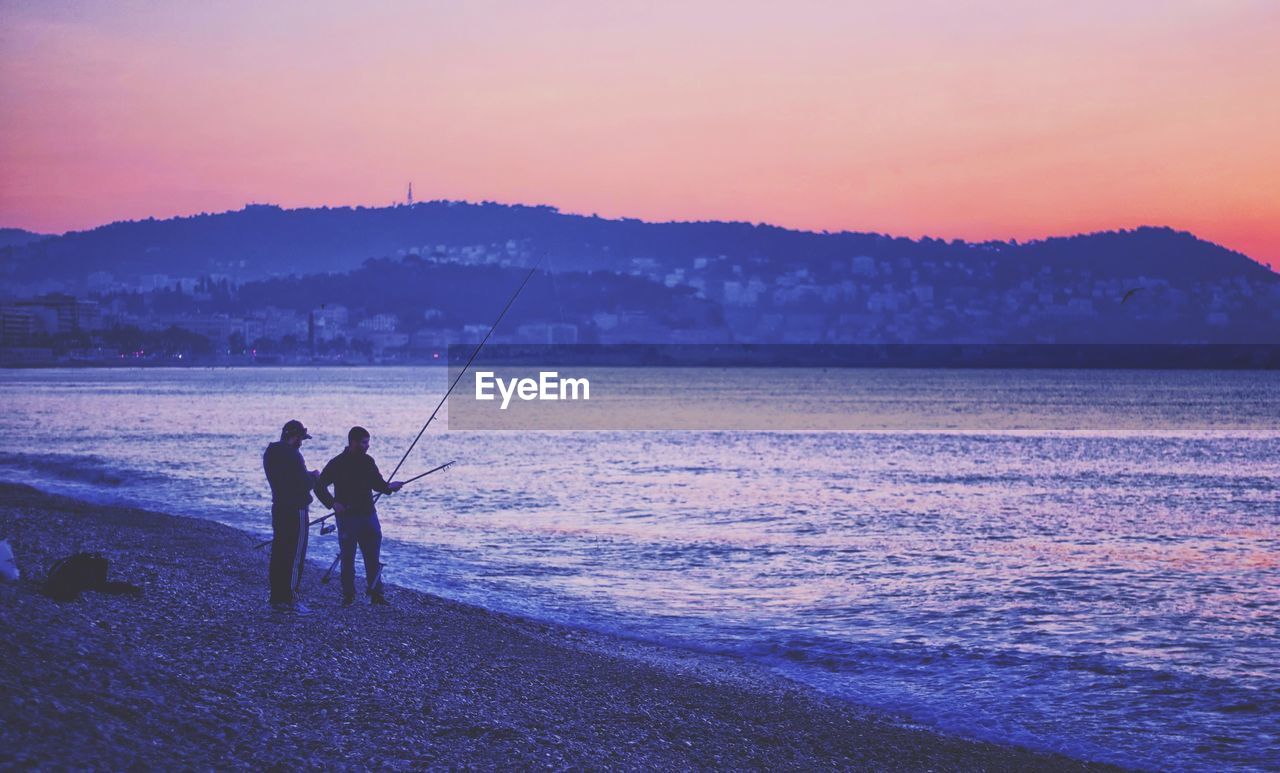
x,y
200,673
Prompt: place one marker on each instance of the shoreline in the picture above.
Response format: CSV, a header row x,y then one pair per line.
x,y
201,672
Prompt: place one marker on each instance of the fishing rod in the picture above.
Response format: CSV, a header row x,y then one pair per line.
x,y
452,386
440,405
444,466
330,527
327,529
462,372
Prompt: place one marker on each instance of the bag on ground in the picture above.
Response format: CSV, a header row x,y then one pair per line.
x,y
81,572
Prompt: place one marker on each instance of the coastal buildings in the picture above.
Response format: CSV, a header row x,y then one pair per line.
x,y
410,308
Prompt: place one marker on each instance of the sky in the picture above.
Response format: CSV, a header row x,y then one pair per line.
x,y
970,119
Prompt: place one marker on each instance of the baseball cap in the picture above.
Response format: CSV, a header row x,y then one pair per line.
x,y
294,427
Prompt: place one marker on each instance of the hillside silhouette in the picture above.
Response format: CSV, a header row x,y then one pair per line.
x,y
260,241
17,237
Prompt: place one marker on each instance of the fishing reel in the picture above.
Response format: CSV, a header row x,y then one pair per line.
x,y
328,528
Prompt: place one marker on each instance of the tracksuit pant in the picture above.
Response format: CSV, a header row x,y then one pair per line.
x,y
288,549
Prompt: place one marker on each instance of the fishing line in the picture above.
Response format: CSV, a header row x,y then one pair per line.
x,y
470,360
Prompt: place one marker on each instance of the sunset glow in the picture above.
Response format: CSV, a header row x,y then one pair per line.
x,y
971,120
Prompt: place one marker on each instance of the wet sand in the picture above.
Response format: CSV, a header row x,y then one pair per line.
x,y
200,672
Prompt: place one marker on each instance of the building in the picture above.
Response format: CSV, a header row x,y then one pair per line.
x,y
61,313
16,326
378,323
329,322
547,333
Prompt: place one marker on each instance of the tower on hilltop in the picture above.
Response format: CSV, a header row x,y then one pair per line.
x,y
409,198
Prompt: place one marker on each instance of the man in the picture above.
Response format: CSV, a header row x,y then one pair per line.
x,y
354,476
291,485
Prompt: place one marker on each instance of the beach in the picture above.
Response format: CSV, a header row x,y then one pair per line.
x,y
200,672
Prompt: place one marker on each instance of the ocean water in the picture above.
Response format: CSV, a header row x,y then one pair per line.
x,y
1113,594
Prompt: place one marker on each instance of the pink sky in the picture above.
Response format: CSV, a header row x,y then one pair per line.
x,y
973,119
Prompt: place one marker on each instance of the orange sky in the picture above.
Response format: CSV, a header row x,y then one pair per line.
x,y
971,119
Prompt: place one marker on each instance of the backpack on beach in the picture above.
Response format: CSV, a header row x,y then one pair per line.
x,y
81,572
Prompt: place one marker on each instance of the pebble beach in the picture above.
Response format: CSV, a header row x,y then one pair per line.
x,y
199,672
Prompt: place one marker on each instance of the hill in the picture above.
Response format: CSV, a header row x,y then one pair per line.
x,y
261,241
17,237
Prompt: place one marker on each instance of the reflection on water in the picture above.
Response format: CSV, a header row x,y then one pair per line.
x,y
1113,594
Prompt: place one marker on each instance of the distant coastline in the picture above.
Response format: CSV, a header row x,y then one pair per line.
x,y
400,284
1127,356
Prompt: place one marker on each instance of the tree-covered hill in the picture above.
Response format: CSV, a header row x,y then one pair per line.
x,y
262,240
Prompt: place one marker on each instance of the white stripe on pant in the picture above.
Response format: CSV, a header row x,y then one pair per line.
x,y
300,550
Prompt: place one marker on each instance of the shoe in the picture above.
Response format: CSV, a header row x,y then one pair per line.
x,y
378,598
348,599
295,607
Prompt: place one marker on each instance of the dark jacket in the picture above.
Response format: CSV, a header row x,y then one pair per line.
x,y
288,476
354,476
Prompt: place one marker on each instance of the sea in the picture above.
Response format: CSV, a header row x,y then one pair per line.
x,y
1108,588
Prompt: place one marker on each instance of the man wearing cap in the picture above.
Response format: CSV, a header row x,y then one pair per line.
x,y
291,485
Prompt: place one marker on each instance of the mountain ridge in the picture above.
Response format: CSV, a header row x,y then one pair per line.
x,y
262,240
17,237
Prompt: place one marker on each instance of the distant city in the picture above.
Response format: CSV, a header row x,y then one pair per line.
x,y
97,298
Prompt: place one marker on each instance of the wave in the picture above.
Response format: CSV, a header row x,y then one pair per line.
x,y
86,468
